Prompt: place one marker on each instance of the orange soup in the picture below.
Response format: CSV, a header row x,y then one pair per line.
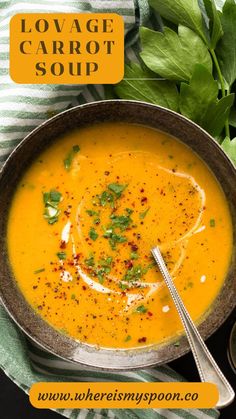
x,y
84,218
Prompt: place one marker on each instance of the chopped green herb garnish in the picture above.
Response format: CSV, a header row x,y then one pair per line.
x,y
116,238
117,188
212,222
51,201
90,261
141,309
91,212
120,221
96,220
176,344
106,198
128,338
134,255
100,276
38,271
93,234
134,274
123,286
69,158
73,296
129,211
142,215
61,255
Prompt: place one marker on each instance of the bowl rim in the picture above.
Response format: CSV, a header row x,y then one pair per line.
x,y
83,353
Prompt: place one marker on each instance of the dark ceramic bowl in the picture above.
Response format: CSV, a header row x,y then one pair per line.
x,y
125,111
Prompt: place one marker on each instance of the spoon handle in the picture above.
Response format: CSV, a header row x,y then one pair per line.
x,y
206,365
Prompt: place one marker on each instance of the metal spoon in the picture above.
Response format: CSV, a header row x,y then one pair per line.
x,y
206,365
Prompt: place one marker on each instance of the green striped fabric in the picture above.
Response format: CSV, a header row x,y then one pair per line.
x,y
22,108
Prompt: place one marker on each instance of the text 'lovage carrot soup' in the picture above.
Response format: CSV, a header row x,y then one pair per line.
x,y
84,218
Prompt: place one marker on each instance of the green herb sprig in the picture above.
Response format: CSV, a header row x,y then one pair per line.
x,y
189,65
51,202
70,156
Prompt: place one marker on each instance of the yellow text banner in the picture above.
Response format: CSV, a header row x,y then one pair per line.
x,y
67,48
123,395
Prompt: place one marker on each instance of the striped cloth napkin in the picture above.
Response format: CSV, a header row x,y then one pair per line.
x,y
22,108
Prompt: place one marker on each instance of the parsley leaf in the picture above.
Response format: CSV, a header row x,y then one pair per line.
x,y
90,261
93,234
143,214
117,188
141,309
51,201
212,222
184,12
138,85
61,255
226,48
120,221
38,271
171,55
91,212
230,148
197,96
70,156
215,26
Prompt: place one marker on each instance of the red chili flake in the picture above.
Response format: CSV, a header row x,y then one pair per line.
x,y
140,340
129,264
63,244
144,199
40,307
142,190
84,287
134,247
106,173
150,313
34,287
77,256
67,213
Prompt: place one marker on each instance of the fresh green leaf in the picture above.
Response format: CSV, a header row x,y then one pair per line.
x,y
134,255
51,202
137,85
217,114
216,30
123,286
174,56
91,212
90,261
70,156
198,95
141,309
120,221
106,198
129,211
230,148
134,274
38,271
61,255
226,48
184,12
232,117
143,214
116,238
93,234
212,222
117,188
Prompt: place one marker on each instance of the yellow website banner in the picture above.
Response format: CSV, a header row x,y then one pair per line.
x,y
67,48
123,395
